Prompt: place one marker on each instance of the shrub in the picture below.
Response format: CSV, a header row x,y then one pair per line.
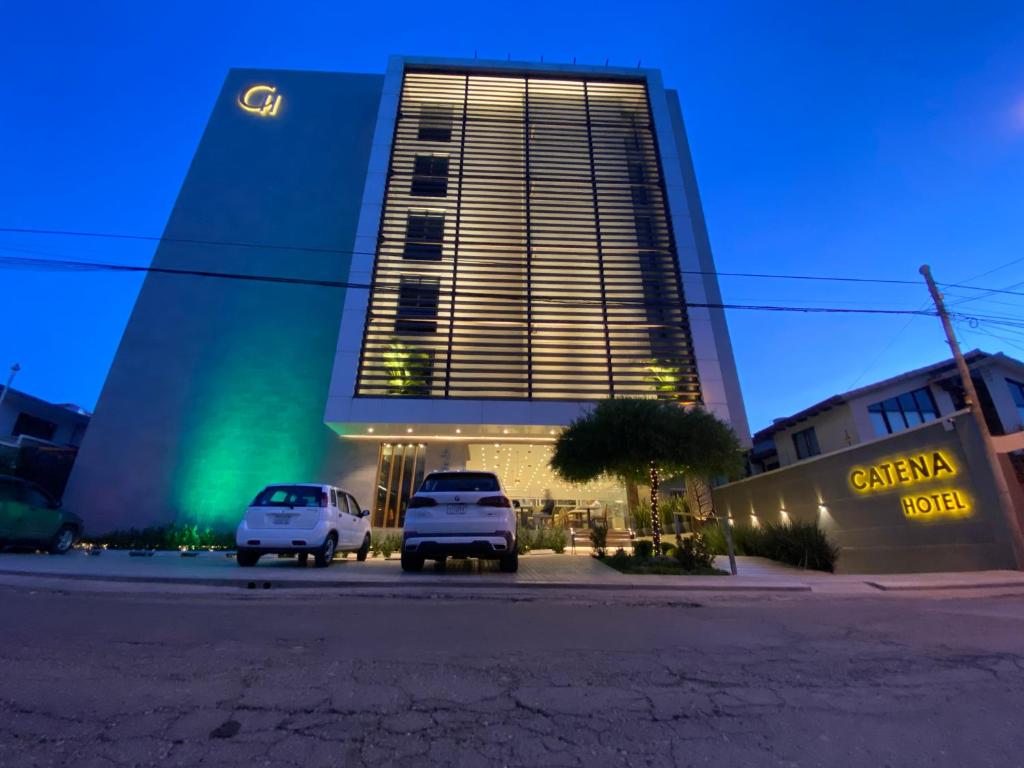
x,y
384,544
599,539
167,537
800,544
692,553
643,548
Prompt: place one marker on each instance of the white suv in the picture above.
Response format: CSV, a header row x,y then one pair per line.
x,y
463,514
305,519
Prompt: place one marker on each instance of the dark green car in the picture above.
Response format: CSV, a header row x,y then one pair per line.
x,y
30,517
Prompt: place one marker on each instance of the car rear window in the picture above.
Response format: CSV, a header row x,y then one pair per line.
x,y
462,481
288,496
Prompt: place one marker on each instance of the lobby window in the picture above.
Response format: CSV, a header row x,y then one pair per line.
x,y
806,443
1017,393
424,236
902,412
435,122
33,426
417,305
430,176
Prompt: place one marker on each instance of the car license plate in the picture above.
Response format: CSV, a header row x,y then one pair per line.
x,y
282,519
456,509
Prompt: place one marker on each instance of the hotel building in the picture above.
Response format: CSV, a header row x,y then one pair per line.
x,y
463,255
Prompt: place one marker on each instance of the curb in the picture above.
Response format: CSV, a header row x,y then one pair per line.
x,y
411,583
941,587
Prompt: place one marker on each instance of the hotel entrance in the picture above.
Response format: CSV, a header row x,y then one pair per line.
x,y
542,499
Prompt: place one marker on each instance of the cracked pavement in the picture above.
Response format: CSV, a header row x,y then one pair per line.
x,y
110,679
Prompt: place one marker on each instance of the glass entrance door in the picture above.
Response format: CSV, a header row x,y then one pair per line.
x,y
399,474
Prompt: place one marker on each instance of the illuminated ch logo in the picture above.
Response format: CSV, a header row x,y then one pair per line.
x,y
260,100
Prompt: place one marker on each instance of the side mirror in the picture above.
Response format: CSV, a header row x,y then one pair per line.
x,y
365,513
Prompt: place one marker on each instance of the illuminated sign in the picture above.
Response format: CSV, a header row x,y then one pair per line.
x,y
261,100
905,471
949,502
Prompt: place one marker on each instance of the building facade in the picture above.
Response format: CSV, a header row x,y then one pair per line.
x,y
481,250
897,404
895,472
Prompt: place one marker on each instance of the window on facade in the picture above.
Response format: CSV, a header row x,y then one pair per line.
x,y
902,412
417,305
33,426
645,234
1017,393
806,443
424,236
410,371
430,176
435,122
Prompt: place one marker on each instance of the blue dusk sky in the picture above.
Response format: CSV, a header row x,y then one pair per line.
x,y
845,138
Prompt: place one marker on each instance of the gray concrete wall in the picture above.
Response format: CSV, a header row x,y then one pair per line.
x,y
218,386
871,528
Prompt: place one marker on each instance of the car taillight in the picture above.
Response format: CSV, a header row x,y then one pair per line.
x,y
494,501
422,501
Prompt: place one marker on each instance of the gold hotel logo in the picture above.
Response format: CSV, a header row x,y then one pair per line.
x,y
263,100
905,472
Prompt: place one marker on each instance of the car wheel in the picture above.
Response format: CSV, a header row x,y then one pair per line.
x,y
325,555
509,562
364,550
247,559
412,562
303,558
62,541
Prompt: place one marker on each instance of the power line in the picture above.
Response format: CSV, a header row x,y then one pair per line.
x,y
351,252
16,262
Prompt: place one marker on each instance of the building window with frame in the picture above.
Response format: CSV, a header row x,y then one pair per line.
x,y
1017,393
806,443
418,299
424,236
409,370
435,122
430,176
33,426
902,412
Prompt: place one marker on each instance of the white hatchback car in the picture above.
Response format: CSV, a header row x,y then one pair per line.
x,y
303,519
461,514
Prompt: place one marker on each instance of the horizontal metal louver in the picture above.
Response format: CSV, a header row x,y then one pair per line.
x,y
528,215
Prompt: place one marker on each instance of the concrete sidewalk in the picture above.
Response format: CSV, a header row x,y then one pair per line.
x,y
536,571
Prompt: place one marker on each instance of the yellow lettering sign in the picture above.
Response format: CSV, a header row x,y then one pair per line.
x,y
261,100
909,470
948,502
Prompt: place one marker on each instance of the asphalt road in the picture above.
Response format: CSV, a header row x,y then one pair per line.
x,y
513,679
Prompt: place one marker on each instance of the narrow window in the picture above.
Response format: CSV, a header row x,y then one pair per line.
x,y
424,236
806,443
435,122
417,305
1017,393
430,176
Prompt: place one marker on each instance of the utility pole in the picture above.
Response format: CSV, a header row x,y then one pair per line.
x,y
14,372
971,396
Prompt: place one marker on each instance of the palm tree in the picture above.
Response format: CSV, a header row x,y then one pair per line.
x,y
642,440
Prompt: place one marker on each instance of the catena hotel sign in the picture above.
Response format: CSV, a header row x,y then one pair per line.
x,y
927,481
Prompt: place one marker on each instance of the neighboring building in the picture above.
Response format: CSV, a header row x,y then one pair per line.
x,y
28,420
894,405
39,440
518,241
895,472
